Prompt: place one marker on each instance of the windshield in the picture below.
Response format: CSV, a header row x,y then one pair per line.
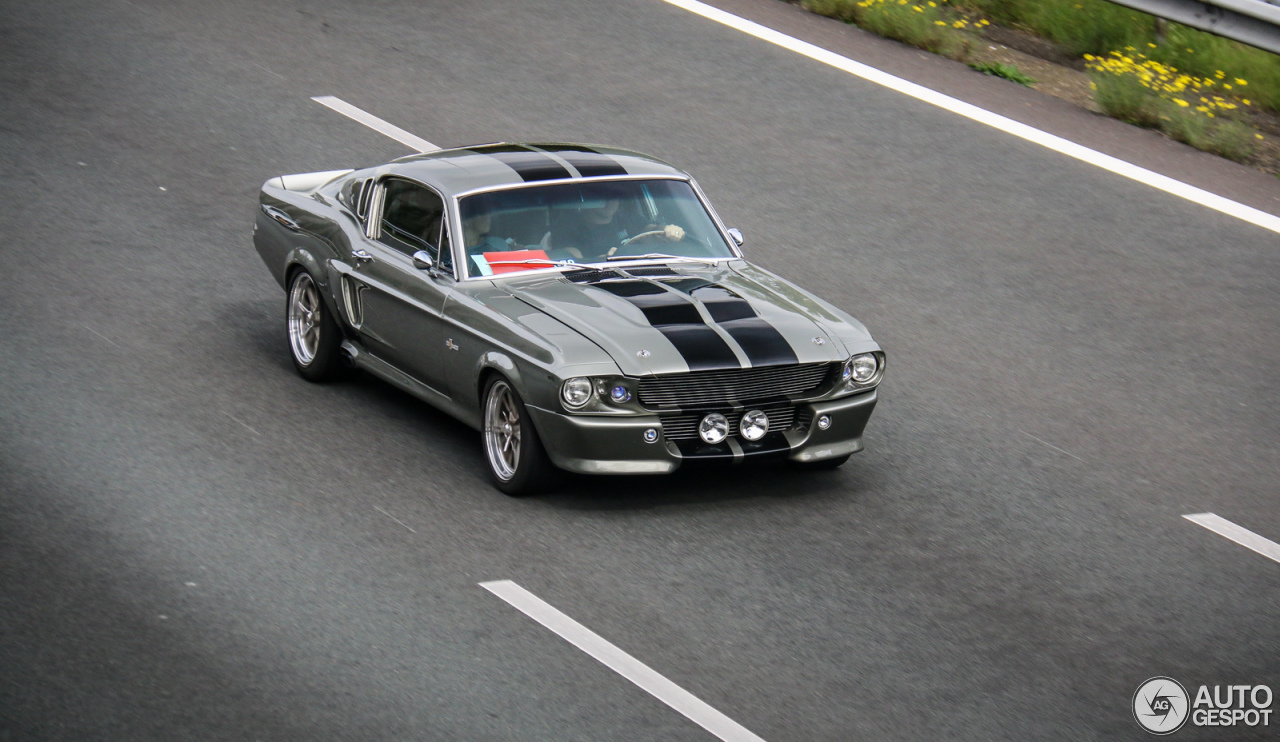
x,y
541,227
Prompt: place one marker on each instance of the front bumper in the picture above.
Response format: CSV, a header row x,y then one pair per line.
x,y
597,444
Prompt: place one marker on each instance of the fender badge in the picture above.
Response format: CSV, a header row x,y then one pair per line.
x,y
451,345
642,353
819,341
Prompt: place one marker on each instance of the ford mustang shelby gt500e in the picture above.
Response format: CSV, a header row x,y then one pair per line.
x,y
583,307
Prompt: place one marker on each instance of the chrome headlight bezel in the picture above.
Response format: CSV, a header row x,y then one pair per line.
x,y
602,399
862,370
576,392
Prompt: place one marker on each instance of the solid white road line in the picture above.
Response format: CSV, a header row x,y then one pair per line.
x,y
620,662
1243,536
375,123
970,111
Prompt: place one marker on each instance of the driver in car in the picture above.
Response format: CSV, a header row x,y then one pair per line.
x,y
600,229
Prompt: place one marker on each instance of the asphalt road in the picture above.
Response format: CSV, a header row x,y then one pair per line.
x,y
197,544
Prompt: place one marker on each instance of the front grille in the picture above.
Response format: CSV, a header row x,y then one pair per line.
x,y
709,389
685,427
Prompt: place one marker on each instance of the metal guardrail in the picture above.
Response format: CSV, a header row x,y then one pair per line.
x,y
1252,22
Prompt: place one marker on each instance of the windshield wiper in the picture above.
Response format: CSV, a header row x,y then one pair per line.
x,y
534,261
660,256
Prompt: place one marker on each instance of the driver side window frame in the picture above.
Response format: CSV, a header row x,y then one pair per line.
x,y
377,215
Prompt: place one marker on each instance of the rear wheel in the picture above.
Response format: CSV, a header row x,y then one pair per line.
x,y
314,338
517,461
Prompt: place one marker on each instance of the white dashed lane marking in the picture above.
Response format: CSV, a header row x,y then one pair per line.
x,y
995,120
375,123
1243,536
620,662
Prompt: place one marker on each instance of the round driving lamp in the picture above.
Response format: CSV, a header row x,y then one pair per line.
x,y
620,394
863,367
576,392
714,428
754,425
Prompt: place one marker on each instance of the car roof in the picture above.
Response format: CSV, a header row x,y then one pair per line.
x,y
486,166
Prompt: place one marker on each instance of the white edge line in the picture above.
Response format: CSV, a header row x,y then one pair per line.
x,y
1243,536
620,662
995,120
375,123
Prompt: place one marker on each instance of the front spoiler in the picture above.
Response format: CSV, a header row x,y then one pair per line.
x,y
601,444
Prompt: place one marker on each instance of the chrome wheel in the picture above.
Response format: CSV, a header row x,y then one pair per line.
x,y
305,317
502,430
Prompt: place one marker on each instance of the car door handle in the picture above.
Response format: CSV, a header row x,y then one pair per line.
x,y
281,217
361,256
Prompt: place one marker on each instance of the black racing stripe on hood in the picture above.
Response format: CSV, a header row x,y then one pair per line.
x,y
759,340
528,164
679,321
589,162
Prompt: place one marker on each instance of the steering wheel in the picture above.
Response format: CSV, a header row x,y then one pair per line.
x,y
645,236
672,232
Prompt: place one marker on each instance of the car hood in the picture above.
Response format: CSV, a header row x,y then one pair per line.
x,y
663,319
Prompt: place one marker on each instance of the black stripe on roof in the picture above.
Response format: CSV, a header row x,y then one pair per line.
x,y
587,161
528,164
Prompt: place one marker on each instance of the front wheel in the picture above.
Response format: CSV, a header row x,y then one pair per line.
x,y
517,461
314,338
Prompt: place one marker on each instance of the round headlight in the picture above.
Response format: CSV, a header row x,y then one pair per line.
x,y
576,392
863,367
714,428
754,425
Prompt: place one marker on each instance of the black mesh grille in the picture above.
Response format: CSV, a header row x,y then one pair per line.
x,y
709,389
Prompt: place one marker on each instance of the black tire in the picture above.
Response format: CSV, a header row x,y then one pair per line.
x,y
821,465
513,452
314,338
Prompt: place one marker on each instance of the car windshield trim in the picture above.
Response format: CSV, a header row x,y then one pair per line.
x,y
578,222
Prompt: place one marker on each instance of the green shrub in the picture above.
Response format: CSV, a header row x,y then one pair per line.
x,y
920,23
1124,97
842,9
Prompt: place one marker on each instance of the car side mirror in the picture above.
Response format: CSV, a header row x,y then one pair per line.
x,y
422,261
736,234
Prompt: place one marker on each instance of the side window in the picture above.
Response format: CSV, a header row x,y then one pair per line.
x,y
364,195
411,217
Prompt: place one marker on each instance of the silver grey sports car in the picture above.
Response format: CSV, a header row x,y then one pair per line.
x,y
581,306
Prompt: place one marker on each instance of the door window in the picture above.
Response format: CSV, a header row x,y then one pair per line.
x,y
411,218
